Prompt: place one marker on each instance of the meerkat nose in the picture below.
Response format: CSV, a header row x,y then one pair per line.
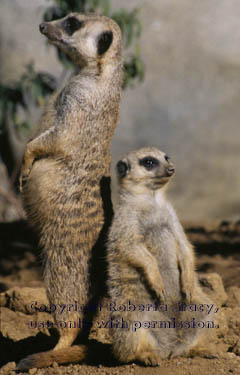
x,y
43,27
170,171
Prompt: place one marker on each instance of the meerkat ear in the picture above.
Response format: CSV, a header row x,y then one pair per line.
x,y
104,42
122,168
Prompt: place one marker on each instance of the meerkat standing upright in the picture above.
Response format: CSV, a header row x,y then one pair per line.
x,y
151,262
66,170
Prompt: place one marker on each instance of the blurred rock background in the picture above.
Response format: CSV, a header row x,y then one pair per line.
x,y
188,104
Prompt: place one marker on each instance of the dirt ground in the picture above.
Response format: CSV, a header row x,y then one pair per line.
x,y
217,251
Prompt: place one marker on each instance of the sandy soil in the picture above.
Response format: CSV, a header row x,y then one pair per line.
x,y
217,250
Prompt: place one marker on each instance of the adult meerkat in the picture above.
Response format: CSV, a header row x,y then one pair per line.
x,y
65,179
151,267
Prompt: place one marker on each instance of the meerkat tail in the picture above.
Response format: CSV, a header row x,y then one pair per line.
x,y
76,353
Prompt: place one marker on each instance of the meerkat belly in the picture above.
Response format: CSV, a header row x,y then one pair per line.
x,y
63,203
163,246
126,284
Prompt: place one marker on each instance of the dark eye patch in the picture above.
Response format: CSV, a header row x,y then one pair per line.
x,y
71,25
149,162
104,41
167,158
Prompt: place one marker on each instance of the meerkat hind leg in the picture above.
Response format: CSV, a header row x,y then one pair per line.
x,y
147,349
202,352
138,346
67,337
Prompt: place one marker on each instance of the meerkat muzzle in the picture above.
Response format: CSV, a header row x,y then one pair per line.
x,y
170,171
43,27
51,32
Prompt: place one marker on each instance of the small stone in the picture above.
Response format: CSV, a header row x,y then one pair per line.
x,y
236,348
233,296
24,300
8,367
55,365
212,285
32,371
231,355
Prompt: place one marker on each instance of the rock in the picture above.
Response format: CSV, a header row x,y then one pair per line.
x,y
212,285
14,325
8,367
23,299
9,282
236,348
221,321
233,296
17,326
32,371
233,318
55,365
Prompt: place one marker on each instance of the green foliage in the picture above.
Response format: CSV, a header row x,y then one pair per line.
x,y
31,86
128,22
63,7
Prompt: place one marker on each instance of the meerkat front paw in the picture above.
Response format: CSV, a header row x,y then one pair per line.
x,y
26,169
160,293
187,294
24,176
158,288
149,359
187,284
22,180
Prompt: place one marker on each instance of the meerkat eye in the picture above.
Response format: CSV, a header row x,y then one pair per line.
x,y
167,158
104,41
149,162
71,25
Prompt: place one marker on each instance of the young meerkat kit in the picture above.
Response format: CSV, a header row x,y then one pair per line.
x,y
65,179
151,267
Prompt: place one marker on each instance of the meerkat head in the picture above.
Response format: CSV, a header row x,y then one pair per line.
x,y
144,170
85,38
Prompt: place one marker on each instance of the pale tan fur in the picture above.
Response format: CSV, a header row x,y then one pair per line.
x,y
151,262
65,179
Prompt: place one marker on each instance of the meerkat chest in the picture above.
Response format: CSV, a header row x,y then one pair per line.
x,y
161,243
160,237
85,94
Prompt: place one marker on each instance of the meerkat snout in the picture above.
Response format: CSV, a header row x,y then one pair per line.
x,y
42,27
51,32
170,170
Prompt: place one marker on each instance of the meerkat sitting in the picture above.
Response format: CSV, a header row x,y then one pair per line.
x,y
151,273
65,179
